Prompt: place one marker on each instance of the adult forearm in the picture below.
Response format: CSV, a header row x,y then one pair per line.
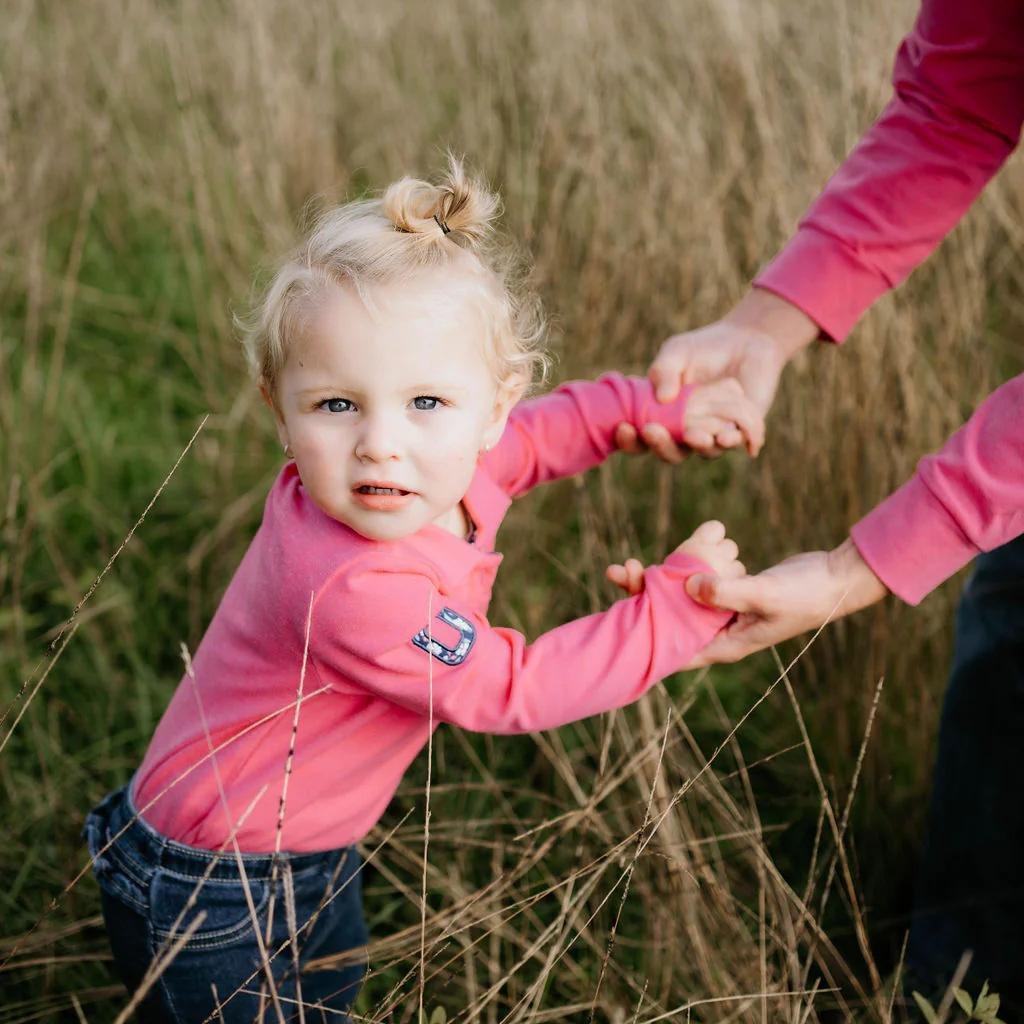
x,y
955,116
856,585
788,326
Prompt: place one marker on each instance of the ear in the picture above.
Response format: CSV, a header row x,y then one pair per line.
x,y
282,430
508,394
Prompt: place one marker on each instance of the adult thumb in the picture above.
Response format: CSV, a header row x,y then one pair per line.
x,y
666,372
715,592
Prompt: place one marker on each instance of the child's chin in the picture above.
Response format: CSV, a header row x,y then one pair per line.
x,y
384,530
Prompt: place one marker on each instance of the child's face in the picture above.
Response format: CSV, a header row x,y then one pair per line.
x,y
398,396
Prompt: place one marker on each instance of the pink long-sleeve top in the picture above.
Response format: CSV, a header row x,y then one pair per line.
x,y
398,639
955,116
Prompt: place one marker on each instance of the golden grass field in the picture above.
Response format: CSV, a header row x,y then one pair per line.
x,y
741,844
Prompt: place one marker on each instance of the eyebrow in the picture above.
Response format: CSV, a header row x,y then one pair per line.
x,y
417,388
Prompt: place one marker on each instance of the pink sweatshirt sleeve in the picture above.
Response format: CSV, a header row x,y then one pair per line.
x,y
967,498
370,632
573,428
955,116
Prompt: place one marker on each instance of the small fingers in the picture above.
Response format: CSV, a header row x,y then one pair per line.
x,y
749,422
627,440
711,532
734,570
628,577
659,440
634,575
744,421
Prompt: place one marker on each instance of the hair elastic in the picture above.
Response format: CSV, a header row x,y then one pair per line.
x,y
441,224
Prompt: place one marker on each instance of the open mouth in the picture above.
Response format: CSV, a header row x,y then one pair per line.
x,y
367,489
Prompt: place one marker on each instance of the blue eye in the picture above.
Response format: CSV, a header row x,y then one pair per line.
x,y
335,404
426,398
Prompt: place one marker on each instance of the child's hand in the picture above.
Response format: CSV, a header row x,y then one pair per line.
x,y
630,577
718,416
721,415
708,543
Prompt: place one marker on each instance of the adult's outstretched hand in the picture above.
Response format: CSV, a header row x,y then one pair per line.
x,y
797,595
751,343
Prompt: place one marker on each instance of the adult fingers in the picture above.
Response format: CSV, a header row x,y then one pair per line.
x,y
699,440
666,372
727,647
687,358
737,595
730,436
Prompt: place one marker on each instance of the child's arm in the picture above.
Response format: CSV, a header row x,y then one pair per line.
x,y
573,428
390,630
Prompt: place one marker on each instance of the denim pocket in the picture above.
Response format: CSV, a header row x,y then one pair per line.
x,y
228,917
112,875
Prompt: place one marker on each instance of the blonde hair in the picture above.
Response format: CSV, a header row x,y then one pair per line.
x,y
414,226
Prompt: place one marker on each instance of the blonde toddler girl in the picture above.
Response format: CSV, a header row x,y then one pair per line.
x,y
393,351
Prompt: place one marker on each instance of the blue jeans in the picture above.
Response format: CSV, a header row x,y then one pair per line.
x,y
971,885
146,882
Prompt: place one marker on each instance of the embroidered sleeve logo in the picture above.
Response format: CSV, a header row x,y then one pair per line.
x,y
448,655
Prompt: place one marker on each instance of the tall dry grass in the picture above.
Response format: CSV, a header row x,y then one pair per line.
x,y
679,860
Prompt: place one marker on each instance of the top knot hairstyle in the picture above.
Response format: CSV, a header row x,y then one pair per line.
x,y
458,207
413,227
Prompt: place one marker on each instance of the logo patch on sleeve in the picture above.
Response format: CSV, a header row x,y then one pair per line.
x,y
448,655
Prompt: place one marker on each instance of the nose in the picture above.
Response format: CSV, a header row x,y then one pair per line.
x,y
378,440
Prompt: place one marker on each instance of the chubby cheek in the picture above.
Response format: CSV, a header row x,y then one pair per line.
x,y
450,457
322,474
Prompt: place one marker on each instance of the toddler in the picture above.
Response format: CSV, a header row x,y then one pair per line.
x,y
393,348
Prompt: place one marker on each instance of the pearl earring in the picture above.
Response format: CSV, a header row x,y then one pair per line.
x,y
288,453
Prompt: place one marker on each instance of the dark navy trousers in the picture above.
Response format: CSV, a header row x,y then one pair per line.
x,y
971,884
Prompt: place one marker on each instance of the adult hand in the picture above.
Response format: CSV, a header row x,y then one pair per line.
x,y
751,343
797,595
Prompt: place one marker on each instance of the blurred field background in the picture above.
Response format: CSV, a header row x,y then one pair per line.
x,y
651,157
